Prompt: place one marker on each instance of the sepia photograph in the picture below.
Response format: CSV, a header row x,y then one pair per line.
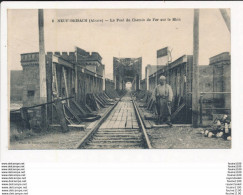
x,y
119,78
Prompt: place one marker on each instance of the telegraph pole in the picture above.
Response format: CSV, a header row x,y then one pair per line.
x,y
42,57
195,69
226,18
42,69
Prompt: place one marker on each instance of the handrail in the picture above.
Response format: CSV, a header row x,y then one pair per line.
x,y
28,107
215,92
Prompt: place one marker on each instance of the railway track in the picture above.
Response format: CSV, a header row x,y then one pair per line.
x,y
120,128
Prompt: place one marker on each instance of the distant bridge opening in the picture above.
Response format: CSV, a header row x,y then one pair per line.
x,y
128,86
127,70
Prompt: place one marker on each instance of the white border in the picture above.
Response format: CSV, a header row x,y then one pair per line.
x,y
129,156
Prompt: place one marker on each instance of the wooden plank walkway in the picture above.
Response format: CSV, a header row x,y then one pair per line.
x,y
123,116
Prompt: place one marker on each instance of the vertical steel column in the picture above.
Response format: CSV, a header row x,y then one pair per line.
x,y
115,82
147,78
103,87
201,109
76,82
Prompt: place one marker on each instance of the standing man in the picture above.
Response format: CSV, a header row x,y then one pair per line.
x,y
163,96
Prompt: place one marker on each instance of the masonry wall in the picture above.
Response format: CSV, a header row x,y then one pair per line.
x,y
16,85
31,85
205,78
221,64
227,85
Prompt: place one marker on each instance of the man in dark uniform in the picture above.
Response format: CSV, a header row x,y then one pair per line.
x,y
163,96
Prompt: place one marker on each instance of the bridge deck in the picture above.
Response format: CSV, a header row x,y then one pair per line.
x,y
120,130
123,116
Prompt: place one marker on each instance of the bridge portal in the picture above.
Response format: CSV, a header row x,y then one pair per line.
x,y
127,70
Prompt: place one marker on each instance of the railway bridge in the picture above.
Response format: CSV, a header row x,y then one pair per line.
x,y
69,90
78,96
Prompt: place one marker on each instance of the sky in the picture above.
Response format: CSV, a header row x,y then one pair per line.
x,y
117,39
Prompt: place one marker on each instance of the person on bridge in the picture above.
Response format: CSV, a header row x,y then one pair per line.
x,y
163,96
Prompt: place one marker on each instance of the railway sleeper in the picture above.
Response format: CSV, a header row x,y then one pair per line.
x,y
116,141
115,144
116,138
114,147
119,132
117,135
122,131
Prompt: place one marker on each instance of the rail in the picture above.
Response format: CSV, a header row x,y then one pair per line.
x,y
93,130
146,138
